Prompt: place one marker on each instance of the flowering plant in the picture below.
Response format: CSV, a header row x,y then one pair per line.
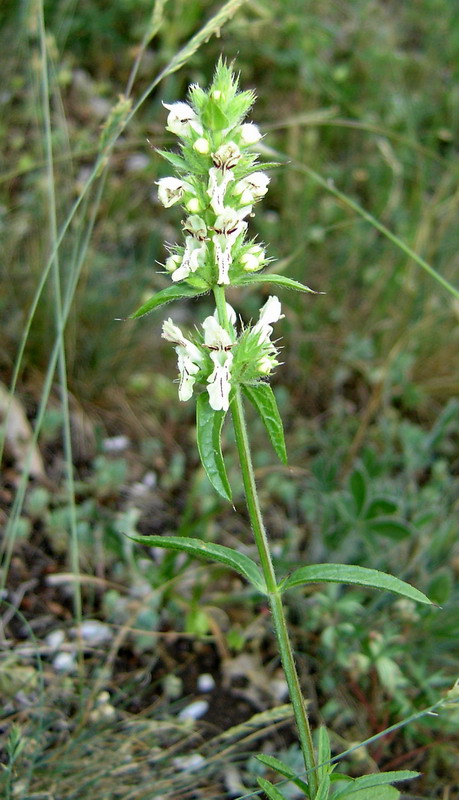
x,y
218,182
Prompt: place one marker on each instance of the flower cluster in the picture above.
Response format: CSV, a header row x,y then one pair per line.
x,y
218,182
218,357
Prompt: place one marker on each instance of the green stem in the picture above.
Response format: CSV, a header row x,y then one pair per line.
x,y
261,540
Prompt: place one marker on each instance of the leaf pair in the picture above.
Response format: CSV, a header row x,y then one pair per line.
x,y
313,573
184,290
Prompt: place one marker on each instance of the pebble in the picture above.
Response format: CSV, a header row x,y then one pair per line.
x,y
195,710
206,682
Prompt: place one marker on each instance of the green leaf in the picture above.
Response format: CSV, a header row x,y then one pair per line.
x,y
376,793
262,397
283,769
209,425
358,486
324,789
177,161
214,117
362,788
380,505
175,292
270,790
323,754
209,551
388,527
354,575
441,587
279,280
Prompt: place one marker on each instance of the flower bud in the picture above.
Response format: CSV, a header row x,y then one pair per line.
x,y
254,259
170,191
249,133
201,146
193,205
173,262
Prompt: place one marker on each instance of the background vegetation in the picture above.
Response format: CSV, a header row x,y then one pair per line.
x,y
360,97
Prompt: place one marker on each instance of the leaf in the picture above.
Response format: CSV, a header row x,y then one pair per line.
x,y
177,161
209,551
283,769
209,425
270,790
361,788
391,528
323,754
358,488
262,397
166,296
324,789
380,505
376,793
354,575
279,280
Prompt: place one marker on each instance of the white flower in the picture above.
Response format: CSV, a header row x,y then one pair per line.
x,y
253,187
172,333
214,335
224,258
189,358
182,119
227,227
219,382
226,156
187,370
195,226
229,224
271,312
218,181
230,313
170,191
250,134
194,257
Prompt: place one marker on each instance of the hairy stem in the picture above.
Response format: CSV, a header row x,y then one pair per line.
x,y
275,596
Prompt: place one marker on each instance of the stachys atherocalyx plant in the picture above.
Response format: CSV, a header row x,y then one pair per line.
x,y
218,182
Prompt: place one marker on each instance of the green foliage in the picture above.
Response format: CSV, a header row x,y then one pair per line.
x,y
369,99
357,576
166,296
209,425
209,551
262,397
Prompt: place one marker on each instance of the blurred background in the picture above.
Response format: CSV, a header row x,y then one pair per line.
x,y
107,645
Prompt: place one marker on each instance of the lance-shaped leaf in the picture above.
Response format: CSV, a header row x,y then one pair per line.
x,y
209,425
375,793
177,161
278,280
176,292
270,790
376,779
354,575
284,770
209,551
262,397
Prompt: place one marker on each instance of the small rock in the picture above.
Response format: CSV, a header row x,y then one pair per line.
x,y
206,682
195,710
65,662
